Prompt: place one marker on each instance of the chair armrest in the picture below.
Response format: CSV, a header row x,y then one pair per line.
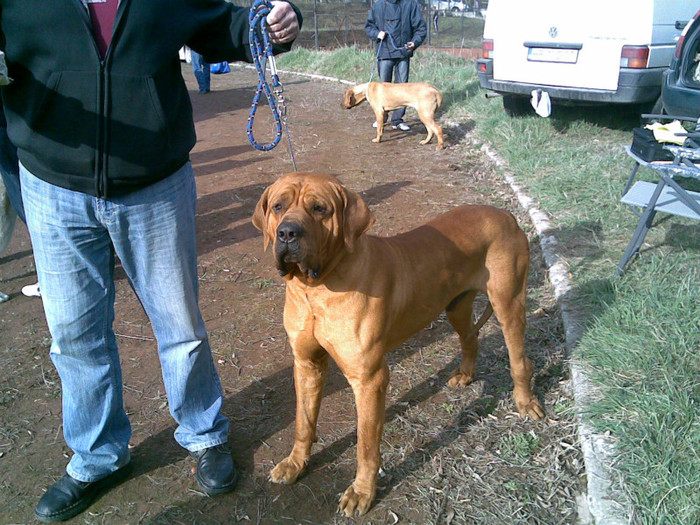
x,y
649,116
682,152
676,170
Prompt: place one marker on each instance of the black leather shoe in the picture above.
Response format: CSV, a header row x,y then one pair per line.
x,y
216,472
69,497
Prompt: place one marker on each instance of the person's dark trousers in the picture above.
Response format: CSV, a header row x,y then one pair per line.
x,y
396,69
9,169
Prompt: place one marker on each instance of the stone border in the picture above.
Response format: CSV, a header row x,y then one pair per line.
x,y
602,503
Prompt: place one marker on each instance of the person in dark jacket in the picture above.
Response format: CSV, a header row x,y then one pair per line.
x,y
102,121
399,28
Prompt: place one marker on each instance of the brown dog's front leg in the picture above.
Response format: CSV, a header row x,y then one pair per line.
x,y
380,115
370,398
309,378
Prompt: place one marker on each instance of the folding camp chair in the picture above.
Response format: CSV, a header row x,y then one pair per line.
x,y
666,195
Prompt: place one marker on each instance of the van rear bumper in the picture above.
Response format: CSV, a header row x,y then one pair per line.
x,y
634,86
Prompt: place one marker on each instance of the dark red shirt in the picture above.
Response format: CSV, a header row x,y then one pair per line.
x,y
102,14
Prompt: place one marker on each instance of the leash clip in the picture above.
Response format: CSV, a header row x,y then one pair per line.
x,y
281,103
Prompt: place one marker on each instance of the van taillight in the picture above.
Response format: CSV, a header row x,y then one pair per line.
x,y
487,48
635,57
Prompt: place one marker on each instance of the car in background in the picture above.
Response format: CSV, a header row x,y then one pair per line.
x,y
449,6
440,5
575,52
680,89
458,6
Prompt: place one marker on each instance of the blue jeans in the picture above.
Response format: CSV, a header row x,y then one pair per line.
x,y
201,71
75,238
396,68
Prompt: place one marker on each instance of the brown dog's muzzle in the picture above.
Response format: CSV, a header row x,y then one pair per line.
x,y
289,233
289,250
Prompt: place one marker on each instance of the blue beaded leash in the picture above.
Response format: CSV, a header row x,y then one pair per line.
x,y
262,52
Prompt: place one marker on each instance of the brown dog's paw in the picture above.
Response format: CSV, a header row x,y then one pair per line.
x,y
459,378
530,407
375,140
355,503
287,471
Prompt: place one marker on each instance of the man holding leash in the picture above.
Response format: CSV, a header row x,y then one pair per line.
x,y
102,121
399,27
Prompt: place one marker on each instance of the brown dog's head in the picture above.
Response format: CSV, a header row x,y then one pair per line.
x,y
311,220
354,96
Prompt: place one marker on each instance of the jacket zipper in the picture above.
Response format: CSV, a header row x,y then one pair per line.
x,y
101,144
102,99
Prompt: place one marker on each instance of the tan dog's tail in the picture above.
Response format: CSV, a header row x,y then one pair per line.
x,y
484,317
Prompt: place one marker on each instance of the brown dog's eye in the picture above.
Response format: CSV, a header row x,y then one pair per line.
x,y
278,208
320,209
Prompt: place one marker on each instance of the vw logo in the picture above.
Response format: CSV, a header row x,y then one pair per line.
x,y
553,32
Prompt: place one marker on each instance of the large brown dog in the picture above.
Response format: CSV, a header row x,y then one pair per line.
x,y
354,297
387,96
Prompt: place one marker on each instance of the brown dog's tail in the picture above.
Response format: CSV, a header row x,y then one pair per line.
x,y
484,317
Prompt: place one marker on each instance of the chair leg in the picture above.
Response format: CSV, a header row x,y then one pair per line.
x,y
682,195
642,228
629,184
631,179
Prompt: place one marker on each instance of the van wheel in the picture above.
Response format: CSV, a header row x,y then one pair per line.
x,y
516,106
658,108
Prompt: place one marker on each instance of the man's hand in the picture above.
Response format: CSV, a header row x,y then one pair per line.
x,y
381,35
410,46
282,23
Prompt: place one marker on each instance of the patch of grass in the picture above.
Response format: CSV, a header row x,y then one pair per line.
x,y
519,447
642,331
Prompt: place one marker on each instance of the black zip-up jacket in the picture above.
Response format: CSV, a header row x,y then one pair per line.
x,y
402,20
109,127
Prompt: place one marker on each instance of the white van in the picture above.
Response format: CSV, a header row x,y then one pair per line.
x,y
594,51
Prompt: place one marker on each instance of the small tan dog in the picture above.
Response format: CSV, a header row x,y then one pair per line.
x,y
354,297
387,96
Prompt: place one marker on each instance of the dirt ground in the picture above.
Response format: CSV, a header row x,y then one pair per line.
x,y
449,457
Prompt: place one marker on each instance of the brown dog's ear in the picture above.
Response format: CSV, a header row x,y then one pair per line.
x,y
348,101
357,218
260,215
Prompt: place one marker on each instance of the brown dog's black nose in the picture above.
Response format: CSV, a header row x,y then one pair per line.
x,y
288,232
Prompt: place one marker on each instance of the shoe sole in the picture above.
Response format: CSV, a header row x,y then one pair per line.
x,y
82,506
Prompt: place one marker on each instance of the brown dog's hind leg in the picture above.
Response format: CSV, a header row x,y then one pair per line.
x,y
428,138
440,137
309,378
459,314
509,307
428,118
